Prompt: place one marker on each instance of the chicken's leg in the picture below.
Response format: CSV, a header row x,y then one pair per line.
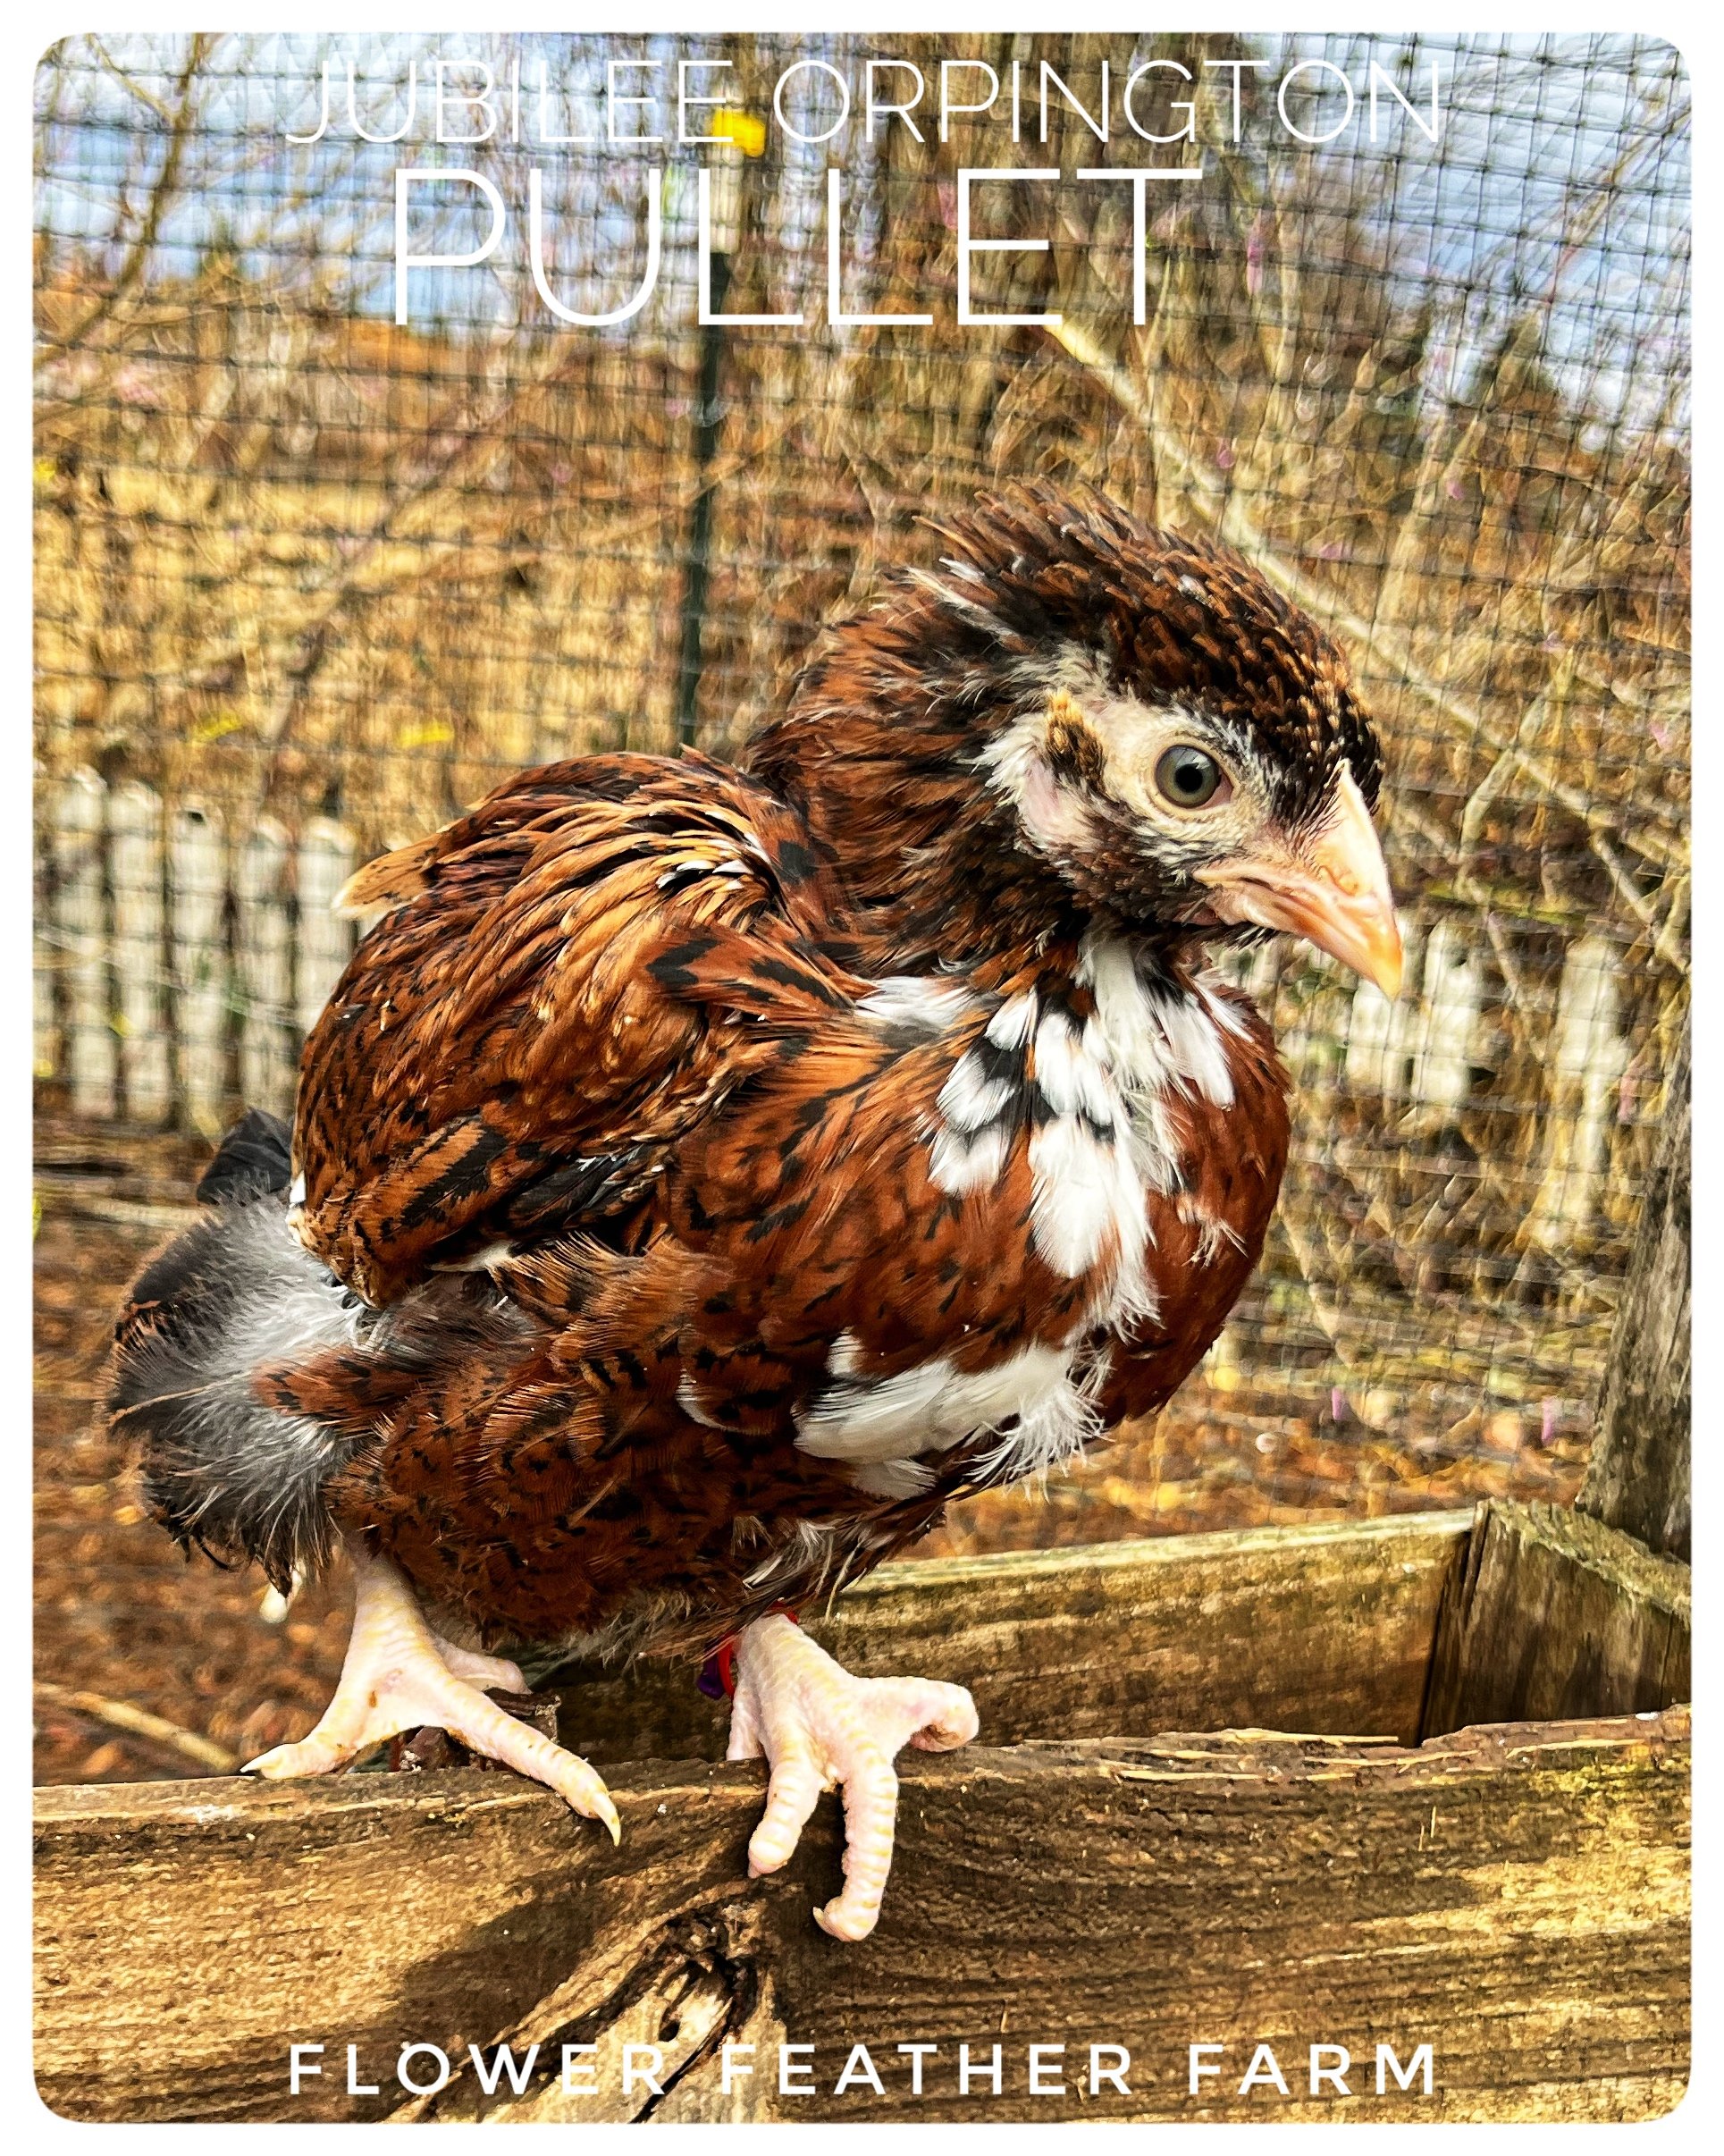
x,y
399,1675
820,1726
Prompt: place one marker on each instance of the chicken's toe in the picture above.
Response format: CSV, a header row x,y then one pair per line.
x,y
820,1728
488,1670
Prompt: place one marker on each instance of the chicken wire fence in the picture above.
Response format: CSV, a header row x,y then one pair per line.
x,y
329,541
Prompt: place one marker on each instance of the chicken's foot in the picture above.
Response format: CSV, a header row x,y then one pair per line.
x,y
399,1675
820,1727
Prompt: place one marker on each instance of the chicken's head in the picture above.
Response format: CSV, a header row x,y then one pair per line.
x,y
1072,712
1178,741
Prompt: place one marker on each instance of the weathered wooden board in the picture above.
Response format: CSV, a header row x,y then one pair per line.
x,y
1324,1629
1554,1614
1640,1474
1515,1898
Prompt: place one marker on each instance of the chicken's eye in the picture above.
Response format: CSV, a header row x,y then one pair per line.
x,y
1190,777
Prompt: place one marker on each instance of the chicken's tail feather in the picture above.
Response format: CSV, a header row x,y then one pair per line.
x,y
224,1470
253,1160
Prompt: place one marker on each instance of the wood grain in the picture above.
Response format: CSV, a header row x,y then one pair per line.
x,y
1324,1629
1554,1614
1517,1898
1638,1477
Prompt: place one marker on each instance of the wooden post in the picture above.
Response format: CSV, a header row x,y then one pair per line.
x,y
1638,1477
1587,1060
1325,1627
1378,1032
724,232
1587,1612
47,956
1451,1000
1516,1898
1552,1615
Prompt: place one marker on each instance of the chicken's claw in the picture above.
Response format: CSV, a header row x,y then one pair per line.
x,y
399,1675
818,1727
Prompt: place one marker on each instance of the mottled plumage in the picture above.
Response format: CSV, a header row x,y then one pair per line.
x,y
701,1177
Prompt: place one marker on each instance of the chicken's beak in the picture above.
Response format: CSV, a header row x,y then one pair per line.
x,y
1332,887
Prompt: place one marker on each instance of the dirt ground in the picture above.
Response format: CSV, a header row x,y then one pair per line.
x,y
123,1623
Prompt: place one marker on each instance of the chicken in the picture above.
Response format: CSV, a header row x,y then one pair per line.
x,y
701,1177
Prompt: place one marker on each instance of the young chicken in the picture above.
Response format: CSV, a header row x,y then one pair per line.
x,y
701,1177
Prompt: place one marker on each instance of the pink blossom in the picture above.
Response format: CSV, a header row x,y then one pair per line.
x,y
132,386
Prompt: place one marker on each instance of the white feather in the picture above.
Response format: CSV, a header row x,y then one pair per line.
x,y
957,1164
1087,1201
928,1408
844,1357
892,1478
808,1546
911,999
969,1098
1047,1435
1011,1025
1074,1079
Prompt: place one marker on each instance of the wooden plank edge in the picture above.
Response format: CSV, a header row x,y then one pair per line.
x,y
233,1804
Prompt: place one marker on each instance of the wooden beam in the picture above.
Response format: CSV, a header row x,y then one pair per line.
x,y
1325,1629
1554,1614
1638,1477
1517,1898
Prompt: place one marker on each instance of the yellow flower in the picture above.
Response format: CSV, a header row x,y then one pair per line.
x,y
742,129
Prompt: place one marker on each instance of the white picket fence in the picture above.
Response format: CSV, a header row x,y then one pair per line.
x,y
167,943
1421,1053
1426,1047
